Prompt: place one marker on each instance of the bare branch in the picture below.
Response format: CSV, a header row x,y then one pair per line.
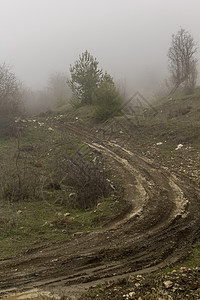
x,y
182,64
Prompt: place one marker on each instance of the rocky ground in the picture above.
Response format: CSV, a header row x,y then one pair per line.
x,y
183,283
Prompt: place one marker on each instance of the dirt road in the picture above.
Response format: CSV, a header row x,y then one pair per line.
x,y
162,223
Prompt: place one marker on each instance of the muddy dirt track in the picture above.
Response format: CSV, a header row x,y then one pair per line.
x,y
161,223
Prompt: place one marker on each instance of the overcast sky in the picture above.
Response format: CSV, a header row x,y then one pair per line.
x,y
129,38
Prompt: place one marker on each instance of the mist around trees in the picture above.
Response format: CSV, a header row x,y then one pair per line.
x,y
92,86
11,105
56,94
88,84
182,61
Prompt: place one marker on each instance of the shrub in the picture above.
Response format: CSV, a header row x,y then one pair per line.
x,y
106,99
10,103
85,77
87,178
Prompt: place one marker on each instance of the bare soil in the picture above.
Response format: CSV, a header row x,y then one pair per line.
x,y
158,228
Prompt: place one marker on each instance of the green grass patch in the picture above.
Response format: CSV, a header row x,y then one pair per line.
x,y
35,206
30,225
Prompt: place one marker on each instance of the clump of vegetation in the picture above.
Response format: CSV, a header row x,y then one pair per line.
x,y
7,223
182,62
90,86
50,191
85,78
87,178
10,101
106,99
20,179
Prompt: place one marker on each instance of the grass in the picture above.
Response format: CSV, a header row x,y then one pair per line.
x,y
37,224
39,219
191,261
42,219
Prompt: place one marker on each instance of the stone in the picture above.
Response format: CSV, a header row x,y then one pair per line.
x,y
179,146
78,233
67,214
168,284
72,196
59,214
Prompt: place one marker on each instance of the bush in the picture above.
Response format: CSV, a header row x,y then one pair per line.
x,y
85,77
10,103
106,99
18,180
88,179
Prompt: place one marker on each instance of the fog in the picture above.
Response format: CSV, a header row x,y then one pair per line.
x,y
129,38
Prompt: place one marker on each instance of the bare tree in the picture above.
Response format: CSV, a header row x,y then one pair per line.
x,y
10,100
182,63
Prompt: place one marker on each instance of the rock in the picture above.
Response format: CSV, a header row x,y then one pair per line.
x,y
137,284
95,160
112,187
72,196
78,233
131,294
139,277
59,214
179,146
168,284
45,224
67,214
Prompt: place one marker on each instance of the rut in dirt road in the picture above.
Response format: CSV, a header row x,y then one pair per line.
x,y
161,225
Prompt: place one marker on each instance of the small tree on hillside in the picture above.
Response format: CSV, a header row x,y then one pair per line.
x,y
10,100
85,78
182,63
106,99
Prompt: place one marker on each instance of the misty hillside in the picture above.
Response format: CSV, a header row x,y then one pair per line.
x,y
63,183
179,107
100,150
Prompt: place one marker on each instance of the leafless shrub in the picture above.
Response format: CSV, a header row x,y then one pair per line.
x,y
88,178
182,63
18,179
10,100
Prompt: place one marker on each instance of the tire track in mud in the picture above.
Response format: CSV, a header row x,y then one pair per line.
x,y
161,226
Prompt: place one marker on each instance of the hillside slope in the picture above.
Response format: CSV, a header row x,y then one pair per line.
x,y
158,159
